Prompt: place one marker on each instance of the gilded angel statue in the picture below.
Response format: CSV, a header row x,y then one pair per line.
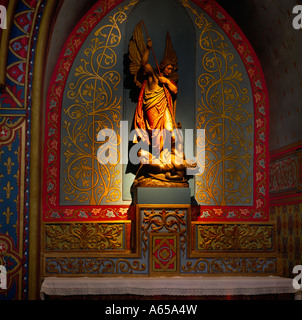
x,y
154,120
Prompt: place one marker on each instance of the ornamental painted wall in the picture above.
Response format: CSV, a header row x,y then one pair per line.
x,y
88,207
77,217
18,45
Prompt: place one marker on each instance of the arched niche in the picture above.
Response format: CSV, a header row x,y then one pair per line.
x,y
224,93
161,17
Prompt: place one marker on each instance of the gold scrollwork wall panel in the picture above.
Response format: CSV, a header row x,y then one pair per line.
x,y
93,102
225,111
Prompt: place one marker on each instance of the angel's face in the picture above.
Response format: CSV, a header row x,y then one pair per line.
x,y
168,69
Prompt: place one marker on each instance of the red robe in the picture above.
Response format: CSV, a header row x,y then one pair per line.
x,y
154,110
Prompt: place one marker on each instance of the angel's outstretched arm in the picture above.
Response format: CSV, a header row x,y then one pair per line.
x,y
145,58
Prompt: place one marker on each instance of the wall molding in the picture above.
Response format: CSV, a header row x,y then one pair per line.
x,y
286,175
36,145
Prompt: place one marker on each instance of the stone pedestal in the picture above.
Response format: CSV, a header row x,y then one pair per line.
x,y
162,196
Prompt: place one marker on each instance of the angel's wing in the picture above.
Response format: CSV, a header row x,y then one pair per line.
x,y
171,57
137,47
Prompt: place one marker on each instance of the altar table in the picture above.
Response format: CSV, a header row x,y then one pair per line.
x,y
174,286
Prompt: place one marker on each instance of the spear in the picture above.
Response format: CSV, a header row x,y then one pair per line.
x,y
169,107
151,48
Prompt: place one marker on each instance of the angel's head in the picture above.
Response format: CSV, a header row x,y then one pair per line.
x,y
166,67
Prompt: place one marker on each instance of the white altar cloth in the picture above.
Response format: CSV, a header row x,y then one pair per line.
x,y
175,286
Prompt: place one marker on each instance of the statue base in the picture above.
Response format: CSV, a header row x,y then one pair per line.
x,y
162,195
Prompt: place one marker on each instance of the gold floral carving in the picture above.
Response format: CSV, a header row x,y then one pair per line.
x,y
92,266
232,265
172,220
235,237
84,236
